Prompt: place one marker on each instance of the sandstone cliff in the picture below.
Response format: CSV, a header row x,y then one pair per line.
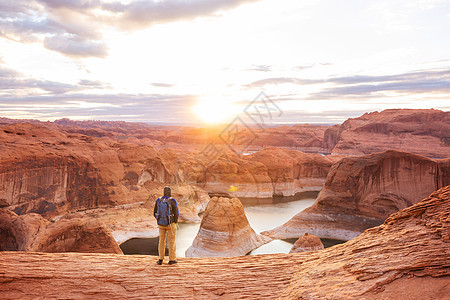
x,y
361,192
225,231
302,137
266,173
31,232
50,172
421,131
405,258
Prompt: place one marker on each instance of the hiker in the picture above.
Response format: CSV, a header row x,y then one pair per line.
x,y
166,213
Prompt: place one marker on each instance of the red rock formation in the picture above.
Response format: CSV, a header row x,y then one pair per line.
x,y
360,192
302,137
405,258
424,131
268,172
225,231
293,171
31,232
45,171
307,242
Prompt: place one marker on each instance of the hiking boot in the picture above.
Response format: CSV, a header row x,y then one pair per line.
x,y
159,262
171,262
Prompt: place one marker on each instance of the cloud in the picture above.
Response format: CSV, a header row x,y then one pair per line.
x,y
74,28
260,68
417,75
142,13
424,81
283,80
14,83
162,84
75,46
93,83
71,4
162,108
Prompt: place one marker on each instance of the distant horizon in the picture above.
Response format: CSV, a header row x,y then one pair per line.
x,y
217,125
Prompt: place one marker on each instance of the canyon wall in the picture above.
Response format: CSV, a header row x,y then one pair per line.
x,y
361,192
420,131
405,258
31,232
266,173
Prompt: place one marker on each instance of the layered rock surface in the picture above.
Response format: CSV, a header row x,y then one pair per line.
x,y
303,136
266,173
307,242
405,258
225,231
361,192
31,232
421,131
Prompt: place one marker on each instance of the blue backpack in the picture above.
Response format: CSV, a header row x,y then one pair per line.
x,y
164,215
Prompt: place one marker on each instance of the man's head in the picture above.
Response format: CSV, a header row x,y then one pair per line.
x,y
167,191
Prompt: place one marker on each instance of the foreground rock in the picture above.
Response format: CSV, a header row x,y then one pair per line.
x,y
421,131
405,258
225,231
109,276
307,242
31,232
361,192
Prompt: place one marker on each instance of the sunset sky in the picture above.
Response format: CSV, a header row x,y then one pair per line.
x,y
174,61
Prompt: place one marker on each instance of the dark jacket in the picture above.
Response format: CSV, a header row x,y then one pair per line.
x,y
173,204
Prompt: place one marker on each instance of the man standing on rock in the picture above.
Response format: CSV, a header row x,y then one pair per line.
x,y
166,213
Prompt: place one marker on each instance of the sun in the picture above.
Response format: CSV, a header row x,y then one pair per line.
x,y
215,110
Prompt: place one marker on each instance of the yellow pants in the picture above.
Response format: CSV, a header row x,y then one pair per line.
x,y
170,231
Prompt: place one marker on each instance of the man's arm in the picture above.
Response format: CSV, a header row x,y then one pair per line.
x,y
175,210
155,208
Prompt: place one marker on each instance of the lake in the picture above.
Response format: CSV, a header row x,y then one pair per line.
x,y
262,214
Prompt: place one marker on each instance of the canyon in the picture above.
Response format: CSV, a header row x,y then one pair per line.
x,y
362,191
421,131
405,257
111,172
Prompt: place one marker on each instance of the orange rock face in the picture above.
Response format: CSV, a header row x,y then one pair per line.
x,y
47,171
421,131
225,231
31,232
361,192
302,137
307,242
268,172
55,170
405,258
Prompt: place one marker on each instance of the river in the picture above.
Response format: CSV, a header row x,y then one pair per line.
x,y
262,214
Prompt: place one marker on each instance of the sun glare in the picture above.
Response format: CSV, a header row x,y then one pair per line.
x,y
215,110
